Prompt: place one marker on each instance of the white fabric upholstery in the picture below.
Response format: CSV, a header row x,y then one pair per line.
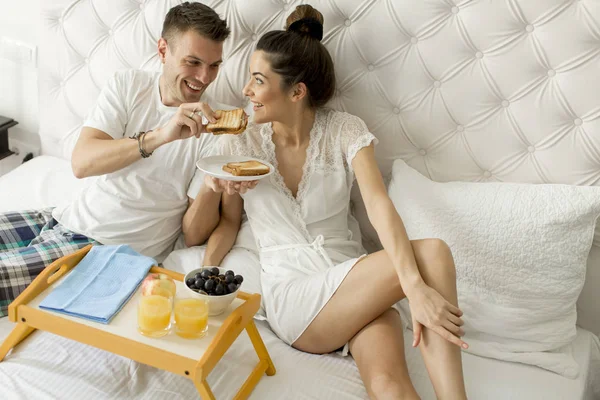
x,y
469,90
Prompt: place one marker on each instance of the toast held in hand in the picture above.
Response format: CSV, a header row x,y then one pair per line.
x,y
230,122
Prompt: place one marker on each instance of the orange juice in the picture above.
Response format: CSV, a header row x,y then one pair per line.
x,y
154,315
191,317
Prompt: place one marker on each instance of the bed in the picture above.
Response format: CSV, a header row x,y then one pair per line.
x,y
509,72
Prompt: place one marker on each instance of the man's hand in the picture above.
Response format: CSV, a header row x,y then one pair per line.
x,y
229,187
187,122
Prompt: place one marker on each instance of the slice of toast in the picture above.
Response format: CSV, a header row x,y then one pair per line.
x,y
246,168
230,122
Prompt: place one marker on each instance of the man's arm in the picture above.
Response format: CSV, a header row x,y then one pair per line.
x,y
223,238
97,153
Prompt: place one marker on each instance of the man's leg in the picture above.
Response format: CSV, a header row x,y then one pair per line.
x,y
19,267
19,228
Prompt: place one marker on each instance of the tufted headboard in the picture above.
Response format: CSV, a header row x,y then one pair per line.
x,y
477,90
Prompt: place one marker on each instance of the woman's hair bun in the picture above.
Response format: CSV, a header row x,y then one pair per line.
x,y
306,20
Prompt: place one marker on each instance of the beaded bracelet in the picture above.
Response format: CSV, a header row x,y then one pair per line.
x,y
140,138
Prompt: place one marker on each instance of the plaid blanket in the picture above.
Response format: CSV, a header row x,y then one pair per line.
x,y
29,241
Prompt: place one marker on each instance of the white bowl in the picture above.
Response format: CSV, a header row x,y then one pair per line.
x,y
216,304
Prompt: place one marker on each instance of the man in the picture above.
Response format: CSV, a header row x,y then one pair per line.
x,y
142,140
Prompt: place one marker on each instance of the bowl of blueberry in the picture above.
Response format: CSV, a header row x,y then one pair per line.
x,y
218,286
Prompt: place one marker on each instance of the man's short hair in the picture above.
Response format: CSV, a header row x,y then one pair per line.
x,y
198,17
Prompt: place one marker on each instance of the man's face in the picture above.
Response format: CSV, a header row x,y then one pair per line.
x,y
191,63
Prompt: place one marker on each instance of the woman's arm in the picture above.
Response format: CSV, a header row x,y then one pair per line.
x,y
201,217
385,218
428,307
223,238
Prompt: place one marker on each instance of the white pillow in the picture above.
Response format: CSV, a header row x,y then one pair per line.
x,y
520,252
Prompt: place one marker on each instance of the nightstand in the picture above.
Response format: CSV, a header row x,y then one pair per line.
x,y
5,123
8,159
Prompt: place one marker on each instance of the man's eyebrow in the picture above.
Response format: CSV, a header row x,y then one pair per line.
x,y
202,61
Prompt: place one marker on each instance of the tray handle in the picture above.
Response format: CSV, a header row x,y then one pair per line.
x,y
47,277
172,274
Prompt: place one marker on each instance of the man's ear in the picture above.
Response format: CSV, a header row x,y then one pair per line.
x,y
162,49
299,92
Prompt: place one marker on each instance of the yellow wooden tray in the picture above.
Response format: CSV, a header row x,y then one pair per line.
x,y
193,359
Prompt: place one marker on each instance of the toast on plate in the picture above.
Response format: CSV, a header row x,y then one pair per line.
x,y
246,168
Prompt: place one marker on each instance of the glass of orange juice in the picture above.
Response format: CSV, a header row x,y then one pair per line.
x,y
154,315
191,317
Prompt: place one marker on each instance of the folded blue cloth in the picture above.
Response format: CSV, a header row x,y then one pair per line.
x,y
102,282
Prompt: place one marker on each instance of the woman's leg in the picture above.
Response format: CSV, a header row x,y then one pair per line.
x,y
442,359
378,350
369,290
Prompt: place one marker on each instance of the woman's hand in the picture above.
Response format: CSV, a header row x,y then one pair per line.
x,y
229,187
430,309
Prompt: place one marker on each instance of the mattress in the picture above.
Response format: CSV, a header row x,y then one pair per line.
x,y
46,366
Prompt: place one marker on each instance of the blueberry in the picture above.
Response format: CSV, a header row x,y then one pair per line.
x,y
214,271
190,282
230,272
232,287
229,279
205,274
220,289
198,275
238,279
199,283
209,285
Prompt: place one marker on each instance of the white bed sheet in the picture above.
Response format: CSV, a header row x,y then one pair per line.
x,y
46,366
40,182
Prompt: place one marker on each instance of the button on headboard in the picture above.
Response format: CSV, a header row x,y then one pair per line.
x,y
503,90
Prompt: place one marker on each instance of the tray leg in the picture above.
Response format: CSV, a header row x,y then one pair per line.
x,y
259,346
204,390
252,381
19,332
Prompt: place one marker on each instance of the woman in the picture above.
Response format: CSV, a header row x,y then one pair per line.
x,y
319,292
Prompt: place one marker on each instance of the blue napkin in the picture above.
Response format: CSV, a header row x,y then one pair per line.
x,y
102,282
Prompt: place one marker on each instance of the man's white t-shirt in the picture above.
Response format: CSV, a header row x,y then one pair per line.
x,y
143,204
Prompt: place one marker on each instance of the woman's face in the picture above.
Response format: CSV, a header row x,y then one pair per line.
x,y
263,89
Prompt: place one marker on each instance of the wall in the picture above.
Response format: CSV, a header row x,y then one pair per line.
x,y
20,20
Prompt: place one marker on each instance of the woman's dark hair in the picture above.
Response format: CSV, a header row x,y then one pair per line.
x,y
298,55
196,16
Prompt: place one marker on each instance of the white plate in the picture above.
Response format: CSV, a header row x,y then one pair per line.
x,y
213,166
